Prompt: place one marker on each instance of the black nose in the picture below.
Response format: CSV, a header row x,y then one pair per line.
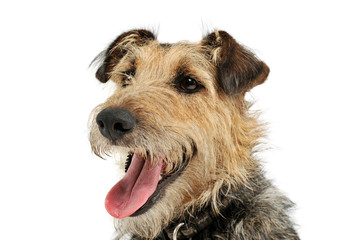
x,y
114,123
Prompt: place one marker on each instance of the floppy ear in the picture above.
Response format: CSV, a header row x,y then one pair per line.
x,y
118,49
238,69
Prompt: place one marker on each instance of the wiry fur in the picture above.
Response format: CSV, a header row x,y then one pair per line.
x,y
213,128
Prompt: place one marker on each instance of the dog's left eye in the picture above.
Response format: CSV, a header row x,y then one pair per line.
x,y
189,85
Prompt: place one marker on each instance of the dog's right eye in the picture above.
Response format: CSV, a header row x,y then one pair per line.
x,y
127,77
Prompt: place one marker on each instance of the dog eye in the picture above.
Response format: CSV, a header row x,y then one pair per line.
x,y
130,72
189,85
127,76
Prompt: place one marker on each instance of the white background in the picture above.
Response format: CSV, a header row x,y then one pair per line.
x,y
53,187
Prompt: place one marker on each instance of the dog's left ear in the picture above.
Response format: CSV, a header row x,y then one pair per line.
x,y
238,69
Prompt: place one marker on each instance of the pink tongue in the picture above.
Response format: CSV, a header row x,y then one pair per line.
x,y
133,191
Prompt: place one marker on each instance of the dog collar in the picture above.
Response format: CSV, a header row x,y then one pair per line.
x,y
189,226
188,229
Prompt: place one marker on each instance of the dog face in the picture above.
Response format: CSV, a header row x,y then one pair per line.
x,y
179,112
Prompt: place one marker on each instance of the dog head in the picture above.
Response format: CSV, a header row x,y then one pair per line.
x,y
179,112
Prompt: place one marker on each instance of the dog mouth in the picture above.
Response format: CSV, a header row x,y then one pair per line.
x,y
143,184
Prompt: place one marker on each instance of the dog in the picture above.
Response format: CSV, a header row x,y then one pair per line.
x,y
179,113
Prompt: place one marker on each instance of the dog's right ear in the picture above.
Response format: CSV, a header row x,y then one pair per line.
x,y
118,49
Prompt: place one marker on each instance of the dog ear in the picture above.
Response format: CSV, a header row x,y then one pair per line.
x,y
118,49
238,69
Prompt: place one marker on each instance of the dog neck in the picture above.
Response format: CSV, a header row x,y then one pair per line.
x,y
192,225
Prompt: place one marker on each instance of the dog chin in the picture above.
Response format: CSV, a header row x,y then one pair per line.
x,y
163,211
